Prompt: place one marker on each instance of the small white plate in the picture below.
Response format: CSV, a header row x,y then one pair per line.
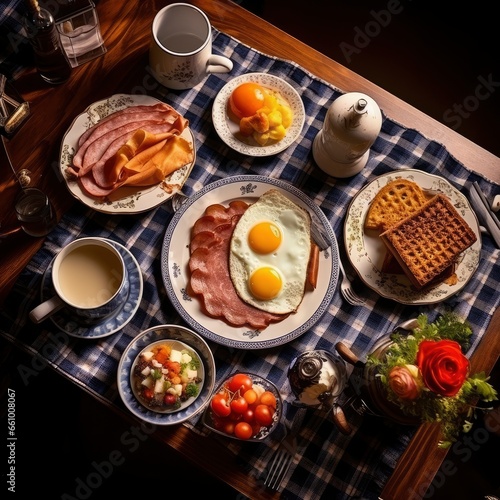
x,y
175,268
127,199
228,130
366,251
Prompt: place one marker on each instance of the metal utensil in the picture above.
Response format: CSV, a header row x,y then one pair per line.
x,y
282,458
347,289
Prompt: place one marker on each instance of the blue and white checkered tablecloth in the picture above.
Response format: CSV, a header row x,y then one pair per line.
x,y
329,464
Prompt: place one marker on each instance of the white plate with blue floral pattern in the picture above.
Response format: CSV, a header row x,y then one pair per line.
x,y
175,269
127,199
148,337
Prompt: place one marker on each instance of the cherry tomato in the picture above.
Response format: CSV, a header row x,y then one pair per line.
x,y
248,416
250,396
243,430
263,415
240,382
220,405
169,399
148,393
246,99
235,416
268,398
228,427
239,405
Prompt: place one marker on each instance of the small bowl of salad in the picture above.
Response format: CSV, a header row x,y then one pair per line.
x,y
245,407
166,375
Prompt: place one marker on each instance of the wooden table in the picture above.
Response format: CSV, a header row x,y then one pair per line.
x,y
126,30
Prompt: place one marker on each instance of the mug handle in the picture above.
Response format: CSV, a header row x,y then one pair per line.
x,y
219,64
46,309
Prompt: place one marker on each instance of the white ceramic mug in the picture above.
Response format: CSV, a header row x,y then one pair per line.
x,y
90,278
180,53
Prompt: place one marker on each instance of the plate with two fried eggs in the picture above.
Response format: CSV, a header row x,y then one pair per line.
x,y
236,262
243,103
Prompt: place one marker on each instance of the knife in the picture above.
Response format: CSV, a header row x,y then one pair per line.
x,y
484,214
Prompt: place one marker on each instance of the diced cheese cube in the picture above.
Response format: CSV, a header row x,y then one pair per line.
x,y
146,371
159,385
178,389
148,382
176,355
191,374
147,355
186,358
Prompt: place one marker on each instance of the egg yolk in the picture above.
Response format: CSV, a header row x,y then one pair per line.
x,y
265,283
264,237
246,99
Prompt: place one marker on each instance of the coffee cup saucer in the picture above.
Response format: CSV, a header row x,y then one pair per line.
x,y
74,326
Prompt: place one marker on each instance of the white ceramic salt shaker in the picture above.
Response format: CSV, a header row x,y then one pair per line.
x,y
352,123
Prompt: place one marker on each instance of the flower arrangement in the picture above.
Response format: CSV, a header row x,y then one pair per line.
x,y
428,376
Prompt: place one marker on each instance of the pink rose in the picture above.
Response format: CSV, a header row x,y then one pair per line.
x,y
404,382
443,366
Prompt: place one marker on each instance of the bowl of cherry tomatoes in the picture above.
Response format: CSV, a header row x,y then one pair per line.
x,y
245,406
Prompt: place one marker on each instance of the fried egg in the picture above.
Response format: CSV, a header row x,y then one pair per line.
x,y
269,254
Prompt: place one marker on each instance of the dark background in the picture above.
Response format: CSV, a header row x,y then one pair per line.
x,y
433,55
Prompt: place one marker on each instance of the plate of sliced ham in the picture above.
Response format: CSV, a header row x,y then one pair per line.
x,y
127,154
260,331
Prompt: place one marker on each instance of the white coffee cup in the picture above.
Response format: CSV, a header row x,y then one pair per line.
x,y
90,279
180,53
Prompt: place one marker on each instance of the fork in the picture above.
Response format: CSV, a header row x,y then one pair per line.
x,y
283,457
347,290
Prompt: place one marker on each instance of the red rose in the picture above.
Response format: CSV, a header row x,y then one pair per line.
x,y
405,383
443,366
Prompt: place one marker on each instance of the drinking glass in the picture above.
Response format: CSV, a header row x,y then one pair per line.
x,y
35,212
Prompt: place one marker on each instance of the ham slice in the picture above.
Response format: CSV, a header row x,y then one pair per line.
x,y
118,119
113,148
136,146
98,136
209,265
131,109
149,166
97,148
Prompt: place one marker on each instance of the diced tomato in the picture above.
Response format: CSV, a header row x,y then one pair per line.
x,y
148,393
173,366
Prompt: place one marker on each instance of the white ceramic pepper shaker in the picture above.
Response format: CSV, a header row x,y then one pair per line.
x,y
352,123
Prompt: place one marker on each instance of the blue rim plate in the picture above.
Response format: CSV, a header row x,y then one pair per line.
x,y
146,338
175,271
68,322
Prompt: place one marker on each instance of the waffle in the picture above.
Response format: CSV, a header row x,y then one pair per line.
x,y
429,241
394,202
